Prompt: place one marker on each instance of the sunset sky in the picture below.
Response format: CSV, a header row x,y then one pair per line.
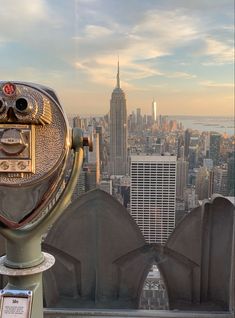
x,y
179,52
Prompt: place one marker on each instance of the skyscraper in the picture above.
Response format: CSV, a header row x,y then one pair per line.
x,y
182,177
101,147
193,150
153,195
231,174
187,136
139,119
118,131
202,183
214,152
221,180
154,111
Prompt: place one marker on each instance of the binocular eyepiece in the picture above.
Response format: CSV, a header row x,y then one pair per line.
x,y
22,105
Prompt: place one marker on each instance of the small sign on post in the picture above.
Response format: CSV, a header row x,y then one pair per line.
x,y
15,303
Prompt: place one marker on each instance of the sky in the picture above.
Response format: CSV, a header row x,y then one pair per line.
x,y
179,52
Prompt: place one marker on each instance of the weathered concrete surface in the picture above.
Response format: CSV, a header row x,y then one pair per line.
x,y
133,314
88,239
102,260
206,239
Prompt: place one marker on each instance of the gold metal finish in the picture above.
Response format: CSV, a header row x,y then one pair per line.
x,y
17,149
35,144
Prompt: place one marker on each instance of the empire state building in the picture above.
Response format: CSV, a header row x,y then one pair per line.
x,y
118,131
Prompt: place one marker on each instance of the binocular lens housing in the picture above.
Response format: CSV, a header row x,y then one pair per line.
x,y
21,105
35,145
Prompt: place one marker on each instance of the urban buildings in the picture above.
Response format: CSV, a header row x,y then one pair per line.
x,y
106,185
208,163
153,195
118,131
190,199
90,174
171,168
197,176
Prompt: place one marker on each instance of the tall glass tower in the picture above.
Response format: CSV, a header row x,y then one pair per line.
x,y
118,130
154,111
214,152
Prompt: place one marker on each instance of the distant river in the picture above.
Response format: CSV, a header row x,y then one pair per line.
x,y
218,124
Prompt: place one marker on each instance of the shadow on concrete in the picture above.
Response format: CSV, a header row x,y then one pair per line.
x,y
102,259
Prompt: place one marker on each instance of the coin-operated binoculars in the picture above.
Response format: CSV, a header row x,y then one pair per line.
x,y
35,145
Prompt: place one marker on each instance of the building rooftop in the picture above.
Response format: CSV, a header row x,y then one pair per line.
x,y
153,158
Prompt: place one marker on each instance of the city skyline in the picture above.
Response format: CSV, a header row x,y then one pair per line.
x,y
178,52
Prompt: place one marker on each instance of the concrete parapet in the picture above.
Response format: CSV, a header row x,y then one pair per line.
x,y
56,313
102,259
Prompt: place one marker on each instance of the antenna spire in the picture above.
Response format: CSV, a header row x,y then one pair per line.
x,y
118,77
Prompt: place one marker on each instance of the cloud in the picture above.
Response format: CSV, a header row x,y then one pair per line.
x,y
216,84
50,78
97,31
220,52
24,10
229,28
76,43
3,41
155,34
167,28
102,70
26,20
181,75
85,1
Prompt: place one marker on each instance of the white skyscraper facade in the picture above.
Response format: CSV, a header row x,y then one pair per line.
x,y
118,131
153,195
154,111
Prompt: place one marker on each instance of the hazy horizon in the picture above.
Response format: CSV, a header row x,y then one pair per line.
x,y
179,52
149,113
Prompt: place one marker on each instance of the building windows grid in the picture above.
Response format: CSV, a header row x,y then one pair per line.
x,y
153,194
